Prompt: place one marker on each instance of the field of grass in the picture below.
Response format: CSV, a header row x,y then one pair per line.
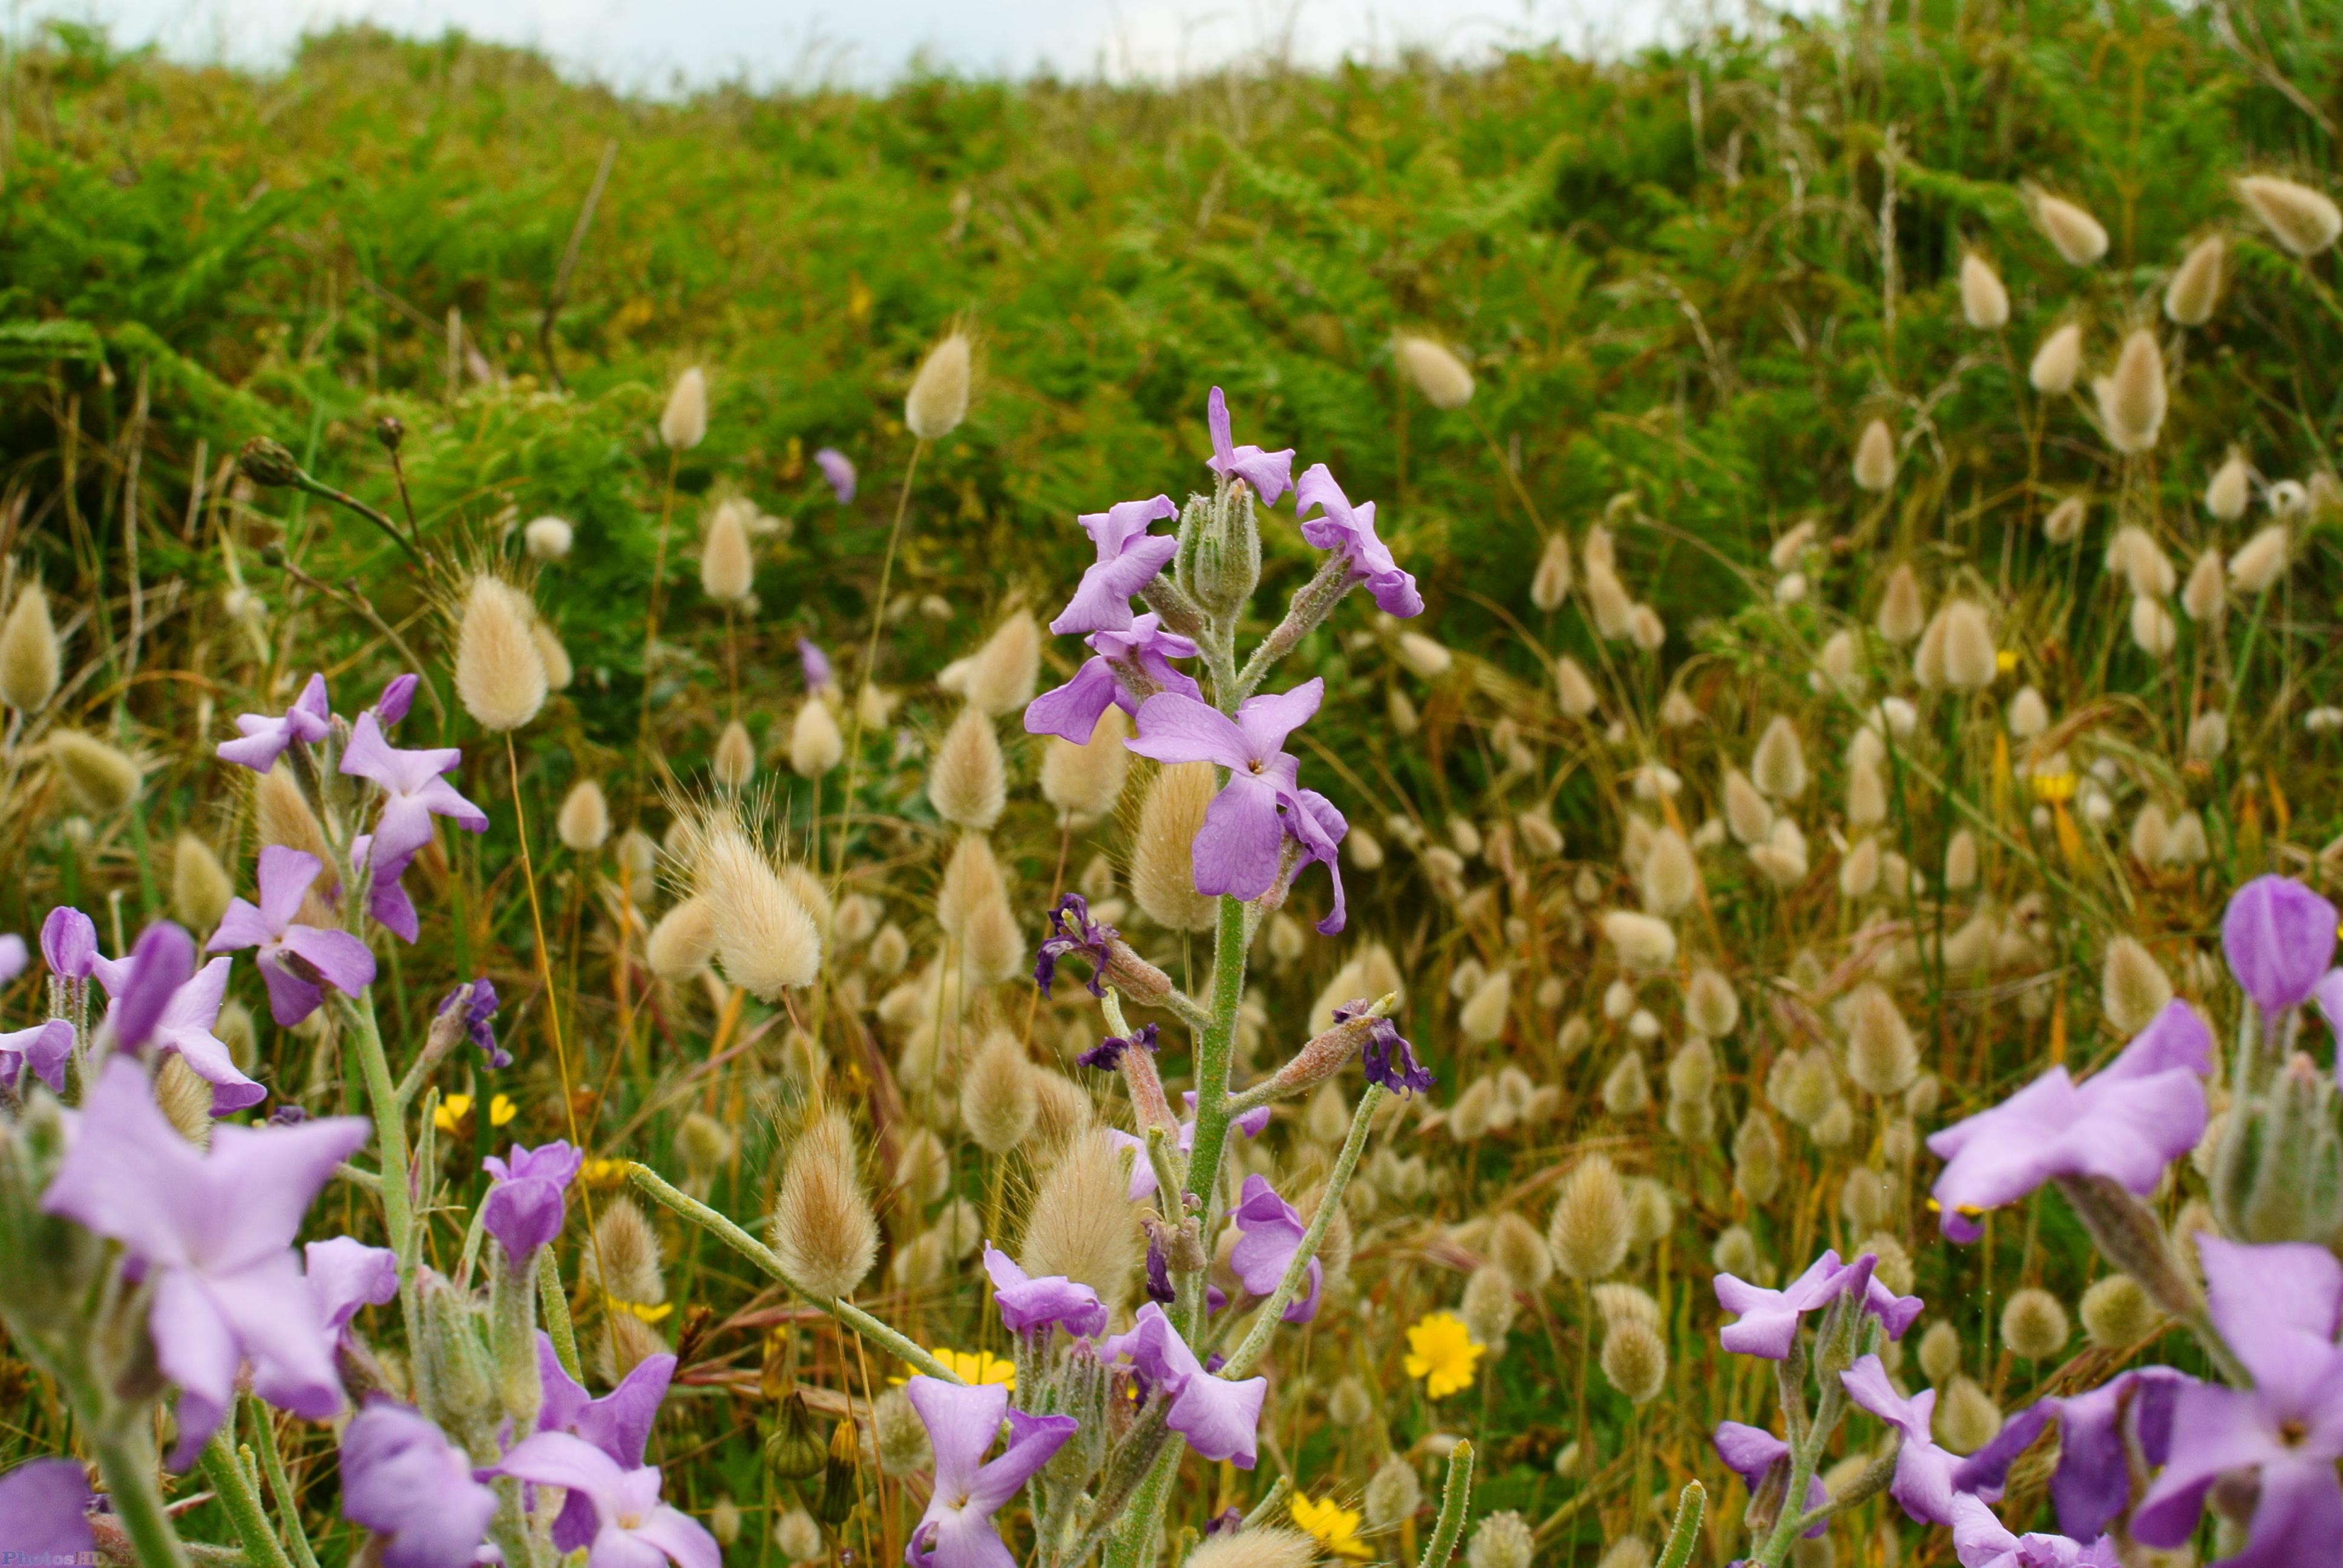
x,y
1715,398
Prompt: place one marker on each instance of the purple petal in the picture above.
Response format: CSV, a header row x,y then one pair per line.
x,y
1102,600
960,1423
1220,1419
1176,728
160,964
1266,720
69,944
523,1216
814,663
2277,1306
44,1048
339,957
1071,711
839,470
344,1275
1114,530
2279,937
43,1516
1236,851
15,957
402,1479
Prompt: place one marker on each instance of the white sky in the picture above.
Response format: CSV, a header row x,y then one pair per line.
x,y
656,44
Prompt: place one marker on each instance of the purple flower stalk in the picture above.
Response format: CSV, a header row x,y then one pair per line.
x,y
1769,1319
1387,1057
1926,1477
214,1234
1351,531
2125,1122
632,1527
183,1026
619,1423
838,469
265,738
1271,474
1031,1306
403,1480
69,944
1072,931
1071,711
1129,557
1220,1418
2279,937
2093,1481
1753,1454
528,1192
1269,1232
957,1531
478,1000
815,664
44,1512
295,960
2277,1308
44,1048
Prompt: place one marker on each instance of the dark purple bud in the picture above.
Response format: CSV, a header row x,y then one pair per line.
x,y
396,699
1072,931
287,1115
1107,1054
478,1000
1388,1057
1159,1274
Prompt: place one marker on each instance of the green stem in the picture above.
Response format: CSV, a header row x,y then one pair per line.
x,y
1686,1529
894,1344
1264,1323
1455,1498
126,1459
1130,1549
555,1304
242,1500
280,1487
1212,1054
357,1014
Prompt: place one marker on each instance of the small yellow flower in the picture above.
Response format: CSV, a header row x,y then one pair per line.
x,y
979,1367
1439,1351
1332,1526
451,1112
501,1109
2006,659
643,1311
2054,789
603,1172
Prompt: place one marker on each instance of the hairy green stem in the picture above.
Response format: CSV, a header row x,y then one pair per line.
x,y
555,1304
356,1015
126,1459
1682,1534
280,1485
242,1500
1455,1499
1264,1324
1212,1054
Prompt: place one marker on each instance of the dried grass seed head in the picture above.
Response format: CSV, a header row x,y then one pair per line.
x,y
2133,986
1778,766
2302,220
683,942
1081,1224
1435,369
583,823
2076,235
1591,1227
968,783
2057,364
1000,676
30,660
2033,1325
822,1227
2195,291
1162,866
683,423
727,563
938,400
733,763
766,941
1874,456
2260,561
1255,1546
1984,300
102,777
2132,398
201,889
624,1260
815,744
500,675
1087,780
1550,583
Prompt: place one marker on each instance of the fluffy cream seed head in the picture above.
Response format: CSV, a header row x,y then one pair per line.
x,y
2302,220
733,763
1636,1362
822,1227
1502,1540
1778,766
1086,780
938,400
2152,628
1591,1228
1874,456
2064,522
102,777
972,878
766,942
583,823
2132,398
1081,1225
683,942
1643,942
1435,369
2057,364
1710,1003
2118,1313
728,566
29,659
997,1101
1747,814
2204,598
499,674
1259,1546
2195,291
2133,986
2260,561
1163,859
1001,675
1902,613
815,744
967,784
548,538
558,671
683,423
1881,1055
2076,235
2230,489
1669,878
1985,301
1573,689
1970,657
1550,584
201,889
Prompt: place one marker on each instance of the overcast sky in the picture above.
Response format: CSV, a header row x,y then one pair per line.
x,y
653,44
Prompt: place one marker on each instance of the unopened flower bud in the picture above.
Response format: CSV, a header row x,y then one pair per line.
x,y
1218,563
269,464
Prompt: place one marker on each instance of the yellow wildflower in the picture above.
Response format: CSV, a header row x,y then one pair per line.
x,y
643,1311
451,1112
1332,1526
2005,659
2054,789
979,1367
1439,1351
603,1172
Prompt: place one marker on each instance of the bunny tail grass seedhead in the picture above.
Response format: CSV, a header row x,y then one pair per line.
x,y
997,1101
2033,1325
728,566
822,1227
1081,1225
1985,301
2078,237
1573,689
2152,628
683,423
2064,522
2302,220
1516,1248
733,763
938,400
683,942
2118,1313
2057,364
1636,1361
2191,298
968,783
499,674
2133,988
766,942
1259,1546
583,823
2260,561
1436,371
623,1259
1970,657
1747,814
2204,598
1550,584
1874,456
548,538
558,671
1778,766
1669,879
1087,780
102,777
1162,861
2132,398
201,889
29,659
1881,1055
972,879
1903,614
1643,942
1591,1227
1501,1539
2231,488
1002,675
185,1100
815,744
1710,1003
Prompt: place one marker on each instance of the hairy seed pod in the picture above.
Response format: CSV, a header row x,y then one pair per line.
x,y
938,400
29,659
1550,584
683,942
201,889
1985,302
2133,988
2034,1325
728,566
1394,1494
2302,220
1002,674
822,1227
1940,1353
1515,1247
499,674
1746,813
2057,364
102,777
1966,1417
815,745
1255,1546
766,942
733,763
2064,522
1080,1224
1627,1087
1778,766
1573,689
1636,1362
2260,561
2078,237
1163,860
2195,291
2132,399
1710,1003
1881,1055
1086,780
1436,371
1643,943
1756,1159
583,823
2153,629
1591,1227
1874,456
968,783
683,423
623,1260
2118,1313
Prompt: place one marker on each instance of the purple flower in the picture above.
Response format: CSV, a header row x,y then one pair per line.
x,y
387,898
403,1480
69,944
1236,852
2279,937
814,663
1926,1479
214,1234
1269,1232
957,1530
43,1513
531,1188
1129,557
344,1275
265,738
1352,531
1271,474
1387,1057
1221,1419
838,469
1753,1453
2125,1122
632,1528
478,1000
44,1048
2093,1481
1031,1306
142,985
1981,1541
1072,931
1107,1054
295,960
396,699
1071,711
619,1423
15,957
2277,1309
190,1012
413,792
1769,1319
